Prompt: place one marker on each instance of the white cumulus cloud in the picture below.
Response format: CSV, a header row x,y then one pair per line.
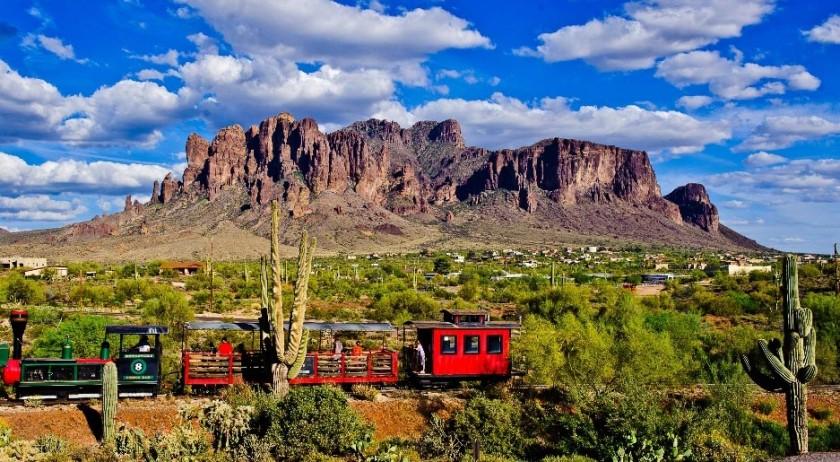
x,y
649,30
39,207
730,78
764,159
128,112
504,121
778,132
53,45
19,177
827,32
339,35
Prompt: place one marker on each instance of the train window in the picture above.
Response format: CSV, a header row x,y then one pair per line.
x,y
494,344
90,372
35,374
61,373
471,344
448,344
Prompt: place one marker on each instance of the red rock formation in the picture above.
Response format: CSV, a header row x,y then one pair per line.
x,y
695,206
405,170
132,208
197,150
168,188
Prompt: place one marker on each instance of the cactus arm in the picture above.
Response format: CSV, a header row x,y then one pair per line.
x,y
804,321
294,369
776,365
264,300
305,255
277,283
809,371
768,383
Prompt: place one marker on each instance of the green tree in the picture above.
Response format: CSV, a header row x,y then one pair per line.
x,y
84,332
443,265
166,306
25,291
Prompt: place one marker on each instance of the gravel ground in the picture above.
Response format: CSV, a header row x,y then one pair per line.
x,y
814,457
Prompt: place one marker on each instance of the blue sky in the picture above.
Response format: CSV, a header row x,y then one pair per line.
x,y
741,96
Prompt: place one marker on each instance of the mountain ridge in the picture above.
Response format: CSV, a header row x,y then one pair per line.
x,y
374,182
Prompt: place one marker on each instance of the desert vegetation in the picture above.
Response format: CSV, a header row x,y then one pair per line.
x,y
614,369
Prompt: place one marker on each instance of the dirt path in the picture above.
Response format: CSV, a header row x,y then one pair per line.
x,y
80,423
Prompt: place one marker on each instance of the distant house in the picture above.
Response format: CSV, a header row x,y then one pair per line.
x,y
744,267
22,262
660,266
530,263
187,268
657,278
58,272
506,275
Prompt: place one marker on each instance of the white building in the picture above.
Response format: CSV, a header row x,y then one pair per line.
x,y
746,268
59,272
22,262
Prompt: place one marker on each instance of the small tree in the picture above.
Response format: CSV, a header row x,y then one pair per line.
x,y
443,265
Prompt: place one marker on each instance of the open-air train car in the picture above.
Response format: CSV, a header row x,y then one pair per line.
x,y
250,365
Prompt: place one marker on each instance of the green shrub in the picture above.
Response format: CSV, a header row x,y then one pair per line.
x,y
414,304
820,414
824,438
495,424
568,458
309,419
364,392
764,407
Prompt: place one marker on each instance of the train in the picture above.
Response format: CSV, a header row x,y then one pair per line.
x,y
465,345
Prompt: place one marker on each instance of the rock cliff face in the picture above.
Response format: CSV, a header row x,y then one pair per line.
x,y
425,169
696,207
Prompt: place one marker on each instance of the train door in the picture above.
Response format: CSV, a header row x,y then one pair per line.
x,y
426,341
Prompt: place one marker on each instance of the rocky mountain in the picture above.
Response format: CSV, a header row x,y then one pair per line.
x,y
376,185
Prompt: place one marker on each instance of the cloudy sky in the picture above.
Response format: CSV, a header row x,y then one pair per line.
x,y
741,96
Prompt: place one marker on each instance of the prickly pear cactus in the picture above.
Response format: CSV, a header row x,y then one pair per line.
x,y
791,362
109,402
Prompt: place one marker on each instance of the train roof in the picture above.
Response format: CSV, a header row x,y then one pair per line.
x,y
137,330
463,325
251,326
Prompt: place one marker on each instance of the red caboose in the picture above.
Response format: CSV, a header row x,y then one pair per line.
x,y
466,345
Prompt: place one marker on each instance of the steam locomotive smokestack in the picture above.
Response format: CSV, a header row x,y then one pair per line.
x,y
18,319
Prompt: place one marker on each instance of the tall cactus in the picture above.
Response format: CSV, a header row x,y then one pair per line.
x,y
109,402
289,353
792,363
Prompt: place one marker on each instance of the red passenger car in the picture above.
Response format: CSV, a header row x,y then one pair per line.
x,y
466,345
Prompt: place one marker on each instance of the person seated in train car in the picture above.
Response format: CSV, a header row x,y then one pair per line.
x,y
419,357
357,349
338,348
225,348
143,345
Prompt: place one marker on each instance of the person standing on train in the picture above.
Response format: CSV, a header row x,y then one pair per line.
x,y
357,349
225,348
338,349
420,357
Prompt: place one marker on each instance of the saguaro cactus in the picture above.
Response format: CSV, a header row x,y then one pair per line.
x,y
109,402
289,352
792,362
